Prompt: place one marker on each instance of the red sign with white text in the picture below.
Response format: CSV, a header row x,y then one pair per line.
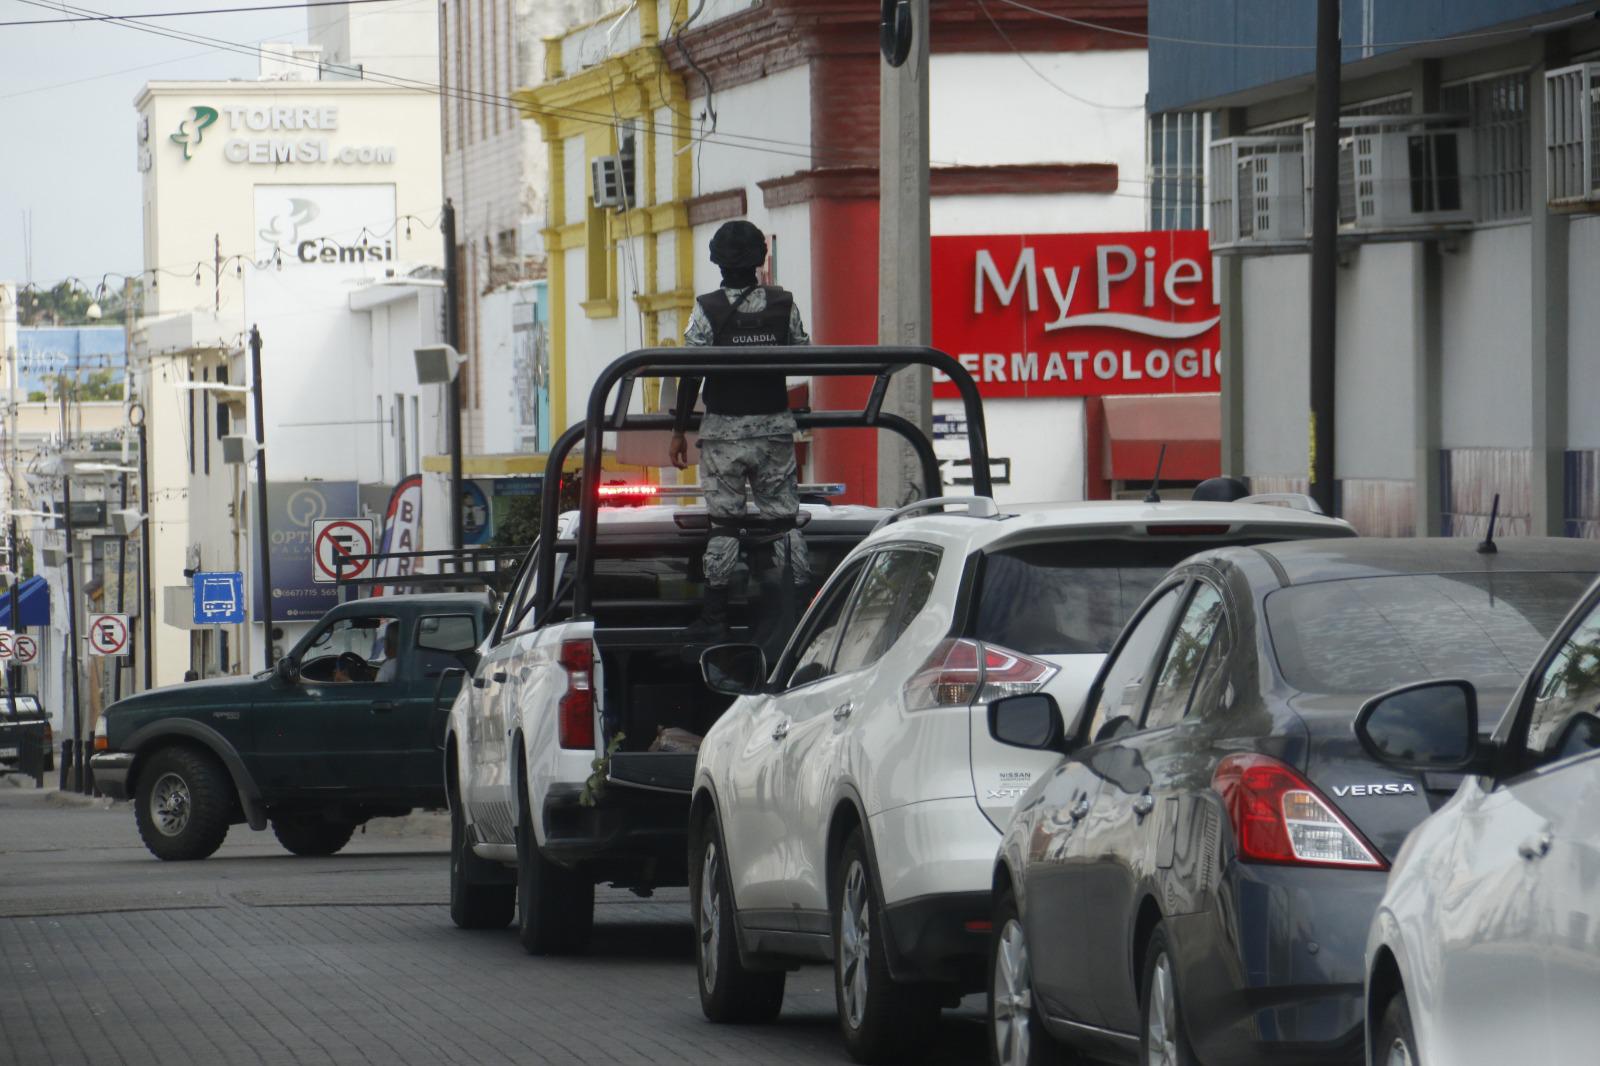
x,y
1078,314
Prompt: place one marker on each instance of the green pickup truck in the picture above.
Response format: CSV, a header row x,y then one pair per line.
x,y
346,727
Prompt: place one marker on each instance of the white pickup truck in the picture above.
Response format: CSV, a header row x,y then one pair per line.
x,y
559,768
529,809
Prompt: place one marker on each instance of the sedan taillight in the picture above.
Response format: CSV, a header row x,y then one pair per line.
x,y
961,672
576,718
1280,817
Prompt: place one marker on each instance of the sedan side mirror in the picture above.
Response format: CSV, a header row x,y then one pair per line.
x,y
286,670
1028,721
1429,725
734,669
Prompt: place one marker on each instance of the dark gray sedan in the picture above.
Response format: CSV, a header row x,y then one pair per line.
x,y
1194,882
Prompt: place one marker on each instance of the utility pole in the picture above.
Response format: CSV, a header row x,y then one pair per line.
x,y
122,583
261,497
147,532
1324,254
452,337
905,298
72,619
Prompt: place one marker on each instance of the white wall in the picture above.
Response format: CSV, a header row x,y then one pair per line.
x,y
777,106
1377,334
1043,438
978,119
1583,333
1277,368
1485,383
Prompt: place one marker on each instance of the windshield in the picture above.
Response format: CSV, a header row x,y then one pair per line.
x,y
1071,597
1365,635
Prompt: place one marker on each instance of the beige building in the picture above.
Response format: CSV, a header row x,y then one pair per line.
x,y
309,209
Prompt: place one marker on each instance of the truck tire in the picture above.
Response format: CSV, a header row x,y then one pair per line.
x,y
183,803
728,991
555,906
310,835
474,905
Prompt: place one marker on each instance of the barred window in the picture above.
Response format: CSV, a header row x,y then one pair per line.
x,y
1501,137
1176,171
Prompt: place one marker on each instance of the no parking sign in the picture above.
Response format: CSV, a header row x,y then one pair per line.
x,y
108,634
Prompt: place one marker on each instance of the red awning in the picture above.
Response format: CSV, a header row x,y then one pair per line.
x,y
1190,425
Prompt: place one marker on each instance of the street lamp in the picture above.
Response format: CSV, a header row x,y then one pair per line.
x,y
136,420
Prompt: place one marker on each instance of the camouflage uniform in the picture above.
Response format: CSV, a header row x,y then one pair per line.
x,y
757,450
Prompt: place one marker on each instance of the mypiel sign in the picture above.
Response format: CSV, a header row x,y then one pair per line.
x,y
1078,314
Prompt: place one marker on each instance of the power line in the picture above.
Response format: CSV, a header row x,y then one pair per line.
x,y
1045,78
184,13
780,147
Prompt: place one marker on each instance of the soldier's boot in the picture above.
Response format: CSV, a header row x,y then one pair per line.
x,y
712,625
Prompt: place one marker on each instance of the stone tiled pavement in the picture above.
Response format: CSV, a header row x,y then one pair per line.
x,y
255,957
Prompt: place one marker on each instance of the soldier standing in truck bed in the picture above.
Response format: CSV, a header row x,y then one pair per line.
x,y
747,434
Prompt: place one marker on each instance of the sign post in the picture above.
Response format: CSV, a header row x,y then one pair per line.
x,y
333,543
108,634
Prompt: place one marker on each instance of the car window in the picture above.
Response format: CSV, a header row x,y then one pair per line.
x,y
351,650
1186,656
445,641
519,605
895,590
1564,719
1361,636
1124,681
1070,597
813,658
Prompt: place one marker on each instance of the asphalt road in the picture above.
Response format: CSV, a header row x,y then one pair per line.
x,y
253,956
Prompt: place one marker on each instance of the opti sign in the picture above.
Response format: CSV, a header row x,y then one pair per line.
x,y
108,634
26,648
1080,314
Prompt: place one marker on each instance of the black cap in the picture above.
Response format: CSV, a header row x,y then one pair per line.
x,y
1221,490
738,245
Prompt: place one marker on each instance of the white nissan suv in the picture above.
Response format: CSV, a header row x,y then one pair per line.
x,y
847,807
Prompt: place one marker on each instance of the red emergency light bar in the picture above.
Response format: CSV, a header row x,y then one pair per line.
x,y
646,491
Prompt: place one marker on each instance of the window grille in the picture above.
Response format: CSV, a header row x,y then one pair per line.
x,y
1176,173
1501,141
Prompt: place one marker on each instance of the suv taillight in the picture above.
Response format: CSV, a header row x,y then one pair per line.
x,y
577,705
1279,817
962,671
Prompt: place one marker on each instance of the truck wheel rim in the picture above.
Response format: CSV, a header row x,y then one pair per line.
x,y
1013,996
855,944
1399,1054
169,805
710,917
1161,1024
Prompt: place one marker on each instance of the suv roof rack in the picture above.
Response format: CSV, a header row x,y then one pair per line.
x,y
1297,501
975,507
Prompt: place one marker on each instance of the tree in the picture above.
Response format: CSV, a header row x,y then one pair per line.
x,y
66,304
97,386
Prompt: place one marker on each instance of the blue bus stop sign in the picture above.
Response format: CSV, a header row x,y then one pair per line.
x,y
218,599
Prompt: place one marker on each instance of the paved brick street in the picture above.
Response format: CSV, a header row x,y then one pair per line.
x,y
253,956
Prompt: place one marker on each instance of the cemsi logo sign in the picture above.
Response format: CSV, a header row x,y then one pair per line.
x,y
1373,790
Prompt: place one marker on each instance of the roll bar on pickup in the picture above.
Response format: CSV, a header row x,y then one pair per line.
x,y
878,362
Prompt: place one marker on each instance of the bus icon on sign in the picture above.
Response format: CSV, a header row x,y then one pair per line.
x,y
218,598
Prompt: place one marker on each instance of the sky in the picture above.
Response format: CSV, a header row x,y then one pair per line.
x,y
67,123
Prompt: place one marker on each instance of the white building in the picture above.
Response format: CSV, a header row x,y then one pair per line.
x,y
309,210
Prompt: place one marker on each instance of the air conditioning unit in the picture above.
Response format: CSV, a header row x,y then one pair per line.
x,y
1400,173
1572,134
1256,194
605,181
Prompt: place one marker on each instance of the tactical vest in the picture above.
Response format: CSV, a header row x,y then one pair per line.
x,y
747,394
